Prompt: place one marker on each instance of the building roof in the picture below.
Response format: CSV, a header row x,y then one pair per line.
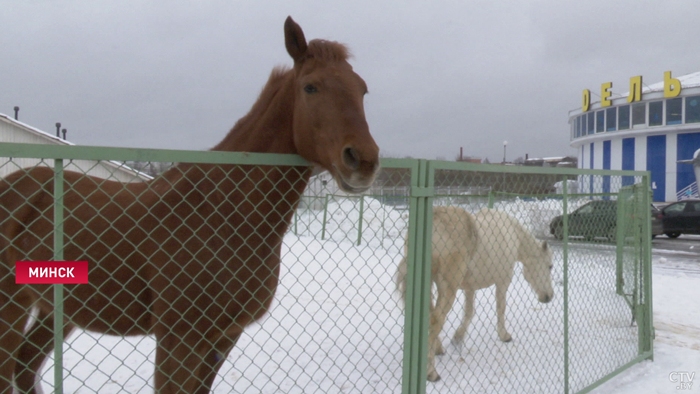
x,y
52,139
691,80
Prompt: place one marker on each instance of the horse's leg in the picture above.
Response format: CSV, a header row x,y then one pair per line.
x,y
213,362
445,299
501,312
14,313
467,318
180,362
440,350
37,344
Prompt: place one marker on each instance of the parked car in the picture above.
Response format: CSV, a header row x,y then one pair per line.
x,y
657,224
681,217
597,218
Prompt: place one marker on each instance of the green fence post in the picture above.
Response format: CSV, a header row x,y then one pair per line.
x,y
622,224
359,225
58,288
490,206
296,231
565,257
645,322
418,282
325,214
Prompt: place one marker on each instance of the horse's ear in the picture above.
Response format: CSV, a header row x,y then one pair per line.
x,y
294,39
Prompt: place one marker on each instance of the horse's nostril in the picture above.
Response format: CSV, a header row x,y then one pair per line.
x,y
351,158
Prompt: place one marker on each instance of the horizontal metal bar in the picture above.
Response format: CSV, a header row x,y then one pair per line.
x,y
72,152
422,191
453,165
606,378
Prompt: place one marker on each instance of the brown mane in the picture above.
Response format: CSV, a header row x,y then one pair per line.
x,y
328,51
279,80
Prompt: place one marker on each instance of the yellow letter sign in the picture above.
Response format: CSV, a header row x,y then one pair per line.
x,y
605,94
635,89
586,100
672,86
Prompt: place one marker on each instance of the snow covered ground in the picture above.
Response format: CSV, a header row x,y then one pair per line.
x,y
676,365
336,325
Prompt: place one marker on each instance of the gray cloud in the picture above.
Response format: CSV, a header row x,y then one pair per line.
x,y
441,74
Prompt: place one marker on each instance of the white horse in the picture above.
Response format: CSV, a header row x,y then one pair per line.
x,y
472,253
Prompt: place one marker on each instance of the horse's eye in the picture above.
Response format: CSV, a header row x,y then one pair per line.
x,y
309,88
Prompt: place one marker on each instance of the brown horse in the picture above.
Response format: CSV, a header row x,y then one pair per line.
x,y
192,256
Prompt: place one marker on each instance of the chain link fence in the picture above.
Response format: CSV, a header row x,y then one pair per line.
x,y
336,322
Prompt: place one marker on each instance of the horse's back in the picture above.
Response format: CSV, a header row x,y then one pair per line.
x,y
497,250
454,238
499,227
26,233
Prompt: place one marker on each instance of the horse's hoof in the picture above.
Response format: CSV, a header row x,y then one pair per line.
x,y
440,351
433,377
507,339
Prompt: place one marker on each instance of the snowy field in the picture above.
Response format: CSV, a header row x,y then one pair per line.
x,y
676,287
336,325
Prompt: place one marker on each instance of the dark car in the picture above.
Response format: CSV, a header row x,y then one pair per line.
x,y
682,217
657,224
597,218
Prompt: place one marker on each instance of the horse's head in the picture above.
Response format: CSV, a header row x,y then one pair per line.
x,y
329,119
537,269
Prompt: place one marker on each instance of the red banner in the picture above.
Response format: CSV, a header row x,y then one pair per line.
x,y
51,272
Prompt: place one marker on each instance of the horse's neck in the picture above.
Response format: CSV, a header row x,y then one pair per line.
x,y
525,240
267,128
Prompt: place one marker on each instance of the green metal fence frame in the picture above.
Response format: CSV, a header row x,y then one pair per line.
x,y
421,196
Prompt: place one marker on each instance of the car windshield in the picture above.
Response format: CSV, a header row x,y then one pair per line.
x,y
588,208
678,207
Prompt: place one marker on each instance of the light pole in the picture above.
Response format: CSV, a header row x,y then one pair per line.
x,y
505,143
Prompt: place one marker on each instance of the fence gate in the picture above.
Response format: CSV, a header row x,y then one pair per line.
x,y
632,255
336,323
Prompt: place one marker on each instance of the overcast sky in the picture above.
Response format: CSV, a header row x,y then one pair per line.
x,y
175,74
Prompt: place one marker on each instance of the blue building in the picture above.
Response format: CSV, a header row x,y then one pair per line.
x,y
652,128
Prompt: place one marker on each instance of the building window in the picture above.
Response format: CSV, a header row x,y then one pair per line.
x,y
599,121
583,124
639,114
656,110
590,123
623,121
674,109
692,109
578,126
610,119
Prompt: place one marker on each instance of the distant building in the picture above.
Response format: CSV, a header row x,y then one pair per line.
x,y
469,159
12,130
653,128
566,161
